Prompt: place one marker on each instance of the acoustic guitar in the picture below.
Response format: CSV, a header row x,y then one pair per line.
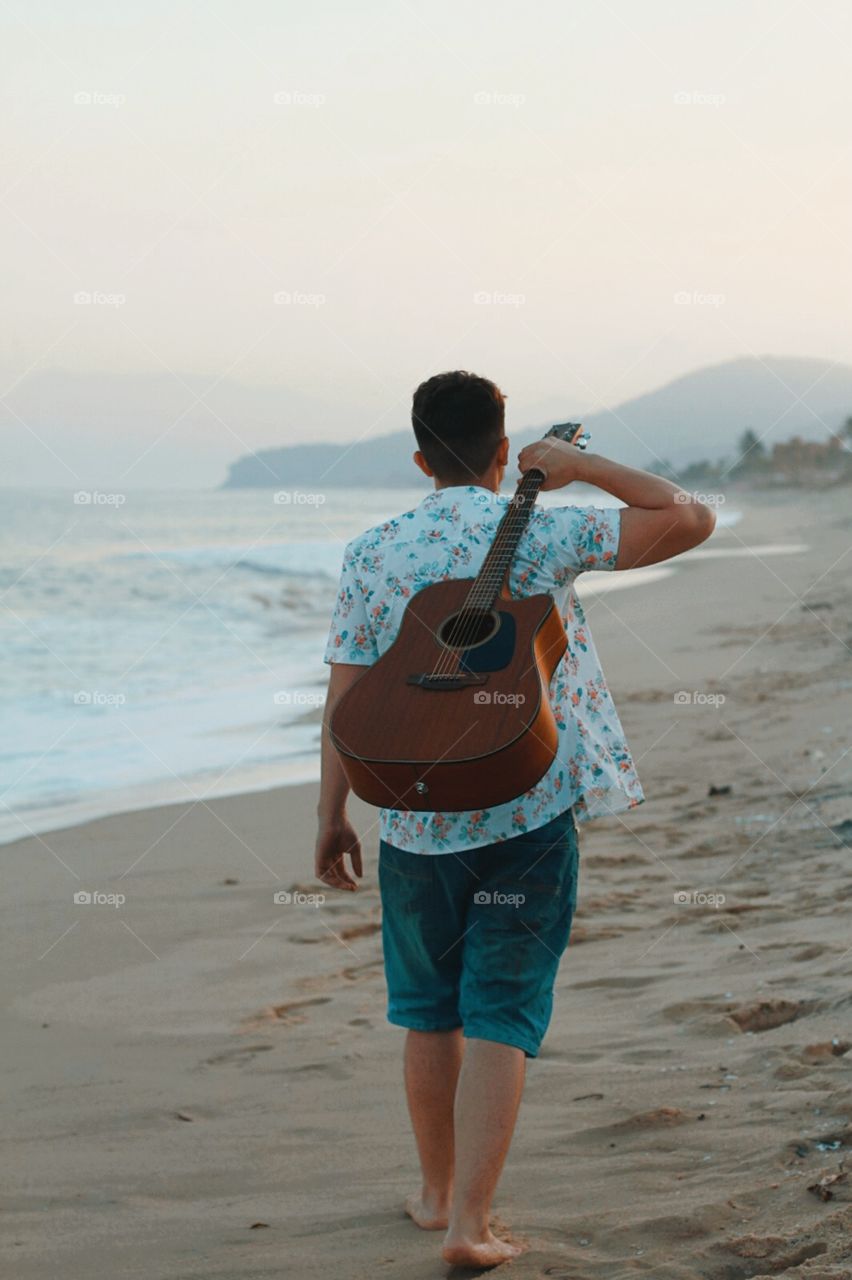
x,y
456,714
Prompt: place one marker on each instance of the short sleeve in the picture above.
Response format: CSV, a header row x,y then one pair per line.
x,y
587,537
350,637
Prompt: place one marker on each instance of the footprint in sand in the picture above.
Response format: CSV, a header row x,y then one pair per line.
x,y
244,1054
641,1126
703,1011
365,930
802,951
345,933
614,900
658,1118
359,972
624,984
825,1052
288,1015
591,933
620,860
754,1255
764,1015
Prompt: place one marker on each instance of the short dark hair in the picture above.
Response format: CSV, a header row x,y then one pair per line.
x,y
458,419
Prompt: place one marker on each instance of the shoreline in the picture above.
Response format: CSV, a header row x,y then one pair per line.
x,y
258,775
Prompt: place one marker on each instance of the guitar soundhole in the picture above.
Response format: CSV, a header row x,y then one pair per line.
x,y
468,629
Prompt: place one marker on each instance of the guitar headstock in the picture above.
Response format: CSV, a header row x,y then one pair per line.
x,y
571,433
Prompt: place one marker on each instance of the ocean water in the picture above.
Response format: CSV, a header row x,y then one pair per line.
x,y
168,646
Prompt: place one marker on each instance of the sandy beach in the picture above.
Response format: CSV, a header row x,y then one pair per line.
x,y
201,1080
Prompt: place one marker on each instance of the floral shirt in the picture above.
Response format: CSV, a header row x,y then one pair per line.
x,y
447,536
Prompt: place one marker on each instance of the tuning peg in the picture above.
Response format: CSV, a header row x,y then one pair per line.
x,y
564,430
571,432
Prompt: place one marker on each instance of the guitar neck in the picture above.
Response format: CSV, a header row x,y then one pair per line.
x,y
489,581
501,553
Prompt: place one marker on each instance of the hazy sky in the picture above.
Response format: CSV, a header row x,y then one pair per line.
x,y
579,200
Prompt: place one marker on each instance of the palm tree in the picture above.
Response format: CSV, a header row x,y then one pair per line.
x,y
752,452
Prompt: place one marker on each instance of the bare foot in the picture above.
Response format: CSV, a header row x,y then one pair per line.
x,y
465,1251
428,1211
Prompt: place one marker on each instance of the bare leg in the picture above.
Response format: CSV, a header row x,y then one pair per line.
x,y
487,1100
432,1062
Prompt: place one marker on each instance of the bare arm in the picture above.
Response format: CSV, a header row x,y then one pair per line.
x,y
336,836
660,520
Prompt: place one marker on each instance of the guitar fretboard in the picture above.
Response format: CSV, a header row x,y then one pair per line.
x,y
490,578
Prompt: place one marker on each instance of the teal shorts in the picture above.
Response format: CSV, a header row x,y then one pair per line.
x,y
474,939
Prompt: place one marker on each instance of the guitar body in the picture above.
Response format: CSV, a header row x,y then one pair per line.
x,y
449,720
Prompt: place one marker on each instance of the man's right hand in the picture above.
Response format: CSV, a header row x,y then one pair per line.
x,y
560,461
335,840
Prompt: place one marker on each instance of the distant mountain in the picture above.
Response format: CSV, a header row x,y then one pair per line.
x,y
699,415
161,429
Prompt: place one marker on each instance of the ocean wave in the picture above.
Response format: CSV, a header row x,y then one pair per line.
x,y
282,571
285,560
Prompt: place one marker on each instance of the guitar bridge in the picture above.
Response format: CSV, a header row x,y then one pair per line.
x,y
449,680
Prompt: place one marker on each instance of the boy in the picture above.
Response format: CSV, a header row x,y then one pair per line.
x,y
477,906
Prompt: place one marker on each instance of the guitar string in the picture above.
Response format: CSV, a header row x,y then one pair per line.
x,y
505,541
484,590
483,594
500,555
464,627
467,617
